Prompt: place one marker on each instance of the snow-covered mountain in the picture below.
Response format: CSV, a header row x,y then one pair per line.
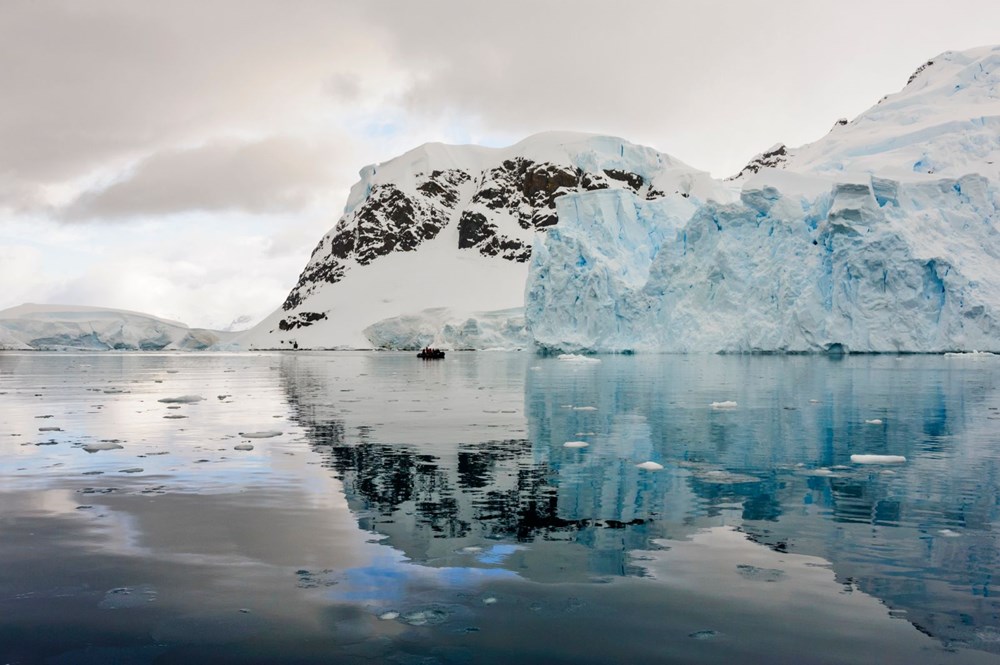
x,y
452,227
944,123
74,327
882,236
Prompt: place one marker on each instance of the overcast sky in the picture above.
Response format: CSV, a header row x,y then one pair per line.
x,y
183,158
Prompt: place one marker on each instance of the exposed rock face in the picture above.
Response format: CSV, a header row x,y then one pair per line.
x,y
388,221
773,158
518,191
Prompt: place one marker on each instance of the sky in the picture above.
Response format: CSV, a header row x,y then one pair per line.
x,y
183,158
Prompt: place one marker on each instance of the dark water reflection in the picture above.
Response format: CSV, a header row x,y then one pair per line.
x,y
430,512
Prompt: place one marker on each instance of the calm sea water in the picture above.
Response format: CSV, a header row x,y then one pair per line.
x,y
399,511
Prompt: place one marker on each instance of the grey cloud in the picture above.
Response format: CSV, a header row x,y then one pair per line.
x,y
269,176
91,85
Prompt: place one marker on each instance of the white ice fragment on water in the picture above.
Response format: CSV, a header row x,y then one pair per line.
x,y
814,401
577,358
388,616
874,421
650,466
724,405
948,533
243,446
585,408
183,399
264,434
877,459
103,445
575,444
490,600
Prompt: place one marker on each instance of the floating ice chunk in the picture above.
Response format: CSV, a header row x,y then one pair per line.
x,y
577,358
243,446
704,635
814,401
650,466
948,533
264,434
128,597
183,399
874,421
585,408
388,616
877,459
490,600
103,445
575,444
724,405
427,617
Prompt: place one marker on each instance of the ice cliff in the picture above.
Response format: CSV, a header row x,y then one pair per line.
x,y
883,236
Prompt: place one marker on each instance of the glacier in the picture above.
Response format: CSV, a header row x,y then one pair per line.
x,y
80,328
799,264
880,237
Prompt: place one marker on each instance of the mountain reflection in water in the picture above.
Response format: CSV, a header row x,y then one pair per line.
x,y
444,489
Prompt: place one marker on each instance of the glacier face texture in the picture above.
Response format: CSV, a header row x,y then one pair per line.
x,y
799,264
880,237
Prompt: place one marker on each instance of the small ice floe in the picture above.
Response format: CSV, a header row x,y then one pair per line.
x,y
126,597
102,445
723,477
760,574
649,466
724,405
585,408
577,358
704,635
877,459
263,434
391,615
243,446
873,421
426,617
183,399
814,401
489,600
948,533
575,444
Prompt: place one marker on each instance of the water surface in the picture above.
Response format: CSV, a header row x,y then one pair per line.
x,y
370,507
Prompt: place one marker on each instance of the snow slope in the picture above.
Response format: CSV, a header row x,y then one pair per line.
x,y
65,327
944,123
452,227
882,236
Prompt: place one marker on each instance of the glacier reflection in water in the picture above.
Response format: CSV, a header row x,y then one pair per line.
x,y
483,537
